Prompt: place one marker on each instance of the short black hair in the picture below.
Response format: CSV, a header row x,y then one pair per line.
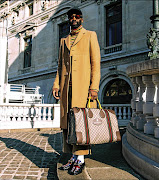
x,y
74,10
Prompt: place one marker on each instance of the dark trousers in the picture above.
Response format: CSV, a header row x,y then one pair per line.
x,y
68,148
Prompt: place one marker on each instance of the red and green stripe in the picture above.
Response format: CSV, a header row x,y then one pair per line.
x,y
109,125
86,125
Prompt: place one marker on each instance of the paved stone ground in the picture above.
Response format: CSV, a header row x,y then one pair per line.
x,y
34,155
29,155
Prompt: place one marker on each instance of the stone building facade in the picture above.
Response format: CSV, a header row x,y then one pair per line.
x,y
34,29
31,30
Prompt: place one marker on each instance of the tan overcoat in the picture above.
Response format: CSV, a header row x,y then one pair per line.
x,y
82,60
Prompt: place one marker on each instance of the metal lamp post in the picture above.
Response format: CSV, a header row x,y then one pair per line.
x,y
153,36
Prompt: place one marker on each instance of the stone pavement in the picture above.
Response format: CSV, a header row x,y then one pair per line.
x,y
34,155
29,155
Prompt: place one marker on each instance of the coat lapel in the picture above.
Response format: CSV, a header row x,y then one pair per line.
x,y
80,35
67,41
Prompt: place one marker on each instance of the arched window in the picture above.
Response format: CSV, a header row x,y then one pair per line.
x,y
117,91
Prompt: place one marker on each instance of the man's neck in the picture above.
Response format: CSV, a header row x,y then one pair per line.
x,y
77,30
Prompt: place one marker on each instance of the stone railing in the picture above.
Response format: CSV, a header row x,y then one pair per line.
x,y
113,48
122,111
145,102
19,116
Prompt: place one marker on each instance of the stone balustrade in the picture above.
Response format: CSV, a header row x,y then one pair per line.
x,y
140,142
19,116
122,111
145,102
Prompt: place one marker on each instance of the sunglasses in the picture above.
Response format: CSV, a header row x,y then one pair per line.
x,y
76,16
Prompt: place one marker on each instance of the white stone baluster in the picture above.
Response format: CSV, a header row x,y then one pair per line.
x,y
8,113
120,113
116,110
44,113
1,118
36,113
24,113
32,115
29,113
49,113
149,104
19,113
14,113
155,79
4,112
139,105
124,112
56,121
39,113
129,113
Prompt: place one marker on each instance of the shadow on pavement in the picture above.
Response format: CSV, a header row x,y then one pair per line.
x,y
111,155
38,156
54,142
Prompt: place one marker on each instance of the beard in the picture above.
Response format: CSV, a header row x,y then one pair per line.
x,y
75,26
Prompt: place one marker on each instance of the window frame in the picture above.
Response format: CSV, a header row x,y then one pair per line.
x,y
118,90
60,25
31,10
27,49
107,43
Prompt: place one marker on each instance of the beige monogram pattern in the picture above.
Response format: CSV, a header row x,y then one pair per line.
x,y
98,126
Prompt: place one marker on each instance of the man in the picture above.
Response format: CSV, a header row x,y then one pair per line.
x,y
77,78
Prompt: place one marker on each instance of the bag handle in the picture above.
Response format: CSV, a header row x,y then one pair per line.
x,y
89,103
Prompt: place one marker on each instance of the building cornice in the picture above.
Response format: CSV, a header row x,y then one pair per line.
x,y
33,74
119,55
54,69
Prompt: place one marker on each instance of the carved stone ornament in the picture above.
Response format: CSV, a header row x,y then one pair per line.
x,y
54,20
153,43
4,15
44,5
13,20
3,5
99,1
26,33
63,17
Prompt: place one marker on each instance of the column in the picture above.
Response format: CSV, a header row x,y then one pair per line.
x,y
134,101
149,104
155,79
139,105
3,60
154,18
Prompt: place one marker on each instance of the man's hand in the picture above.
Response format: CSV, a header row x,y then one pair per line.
x,y
55,93
93,94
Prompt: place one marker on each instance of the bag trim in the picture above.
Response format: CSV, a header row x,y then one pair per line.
x,y
86,125
109,125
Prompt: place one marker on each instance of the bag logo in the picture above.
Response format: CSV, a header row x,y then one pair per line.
x,y
97,122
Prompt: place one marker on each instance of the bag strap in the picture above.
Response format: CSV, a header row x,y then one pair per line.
x,y
89,103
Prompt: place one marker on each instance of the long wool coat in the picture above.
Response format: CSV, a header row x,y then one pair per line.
x,y
82,60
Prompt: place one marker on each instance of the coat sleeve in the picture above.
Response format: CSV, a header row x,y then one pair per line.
x,y
58,75
95,61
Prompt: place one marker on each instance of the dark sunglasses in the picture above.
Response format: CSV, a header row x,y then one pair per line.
x,y
76,16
